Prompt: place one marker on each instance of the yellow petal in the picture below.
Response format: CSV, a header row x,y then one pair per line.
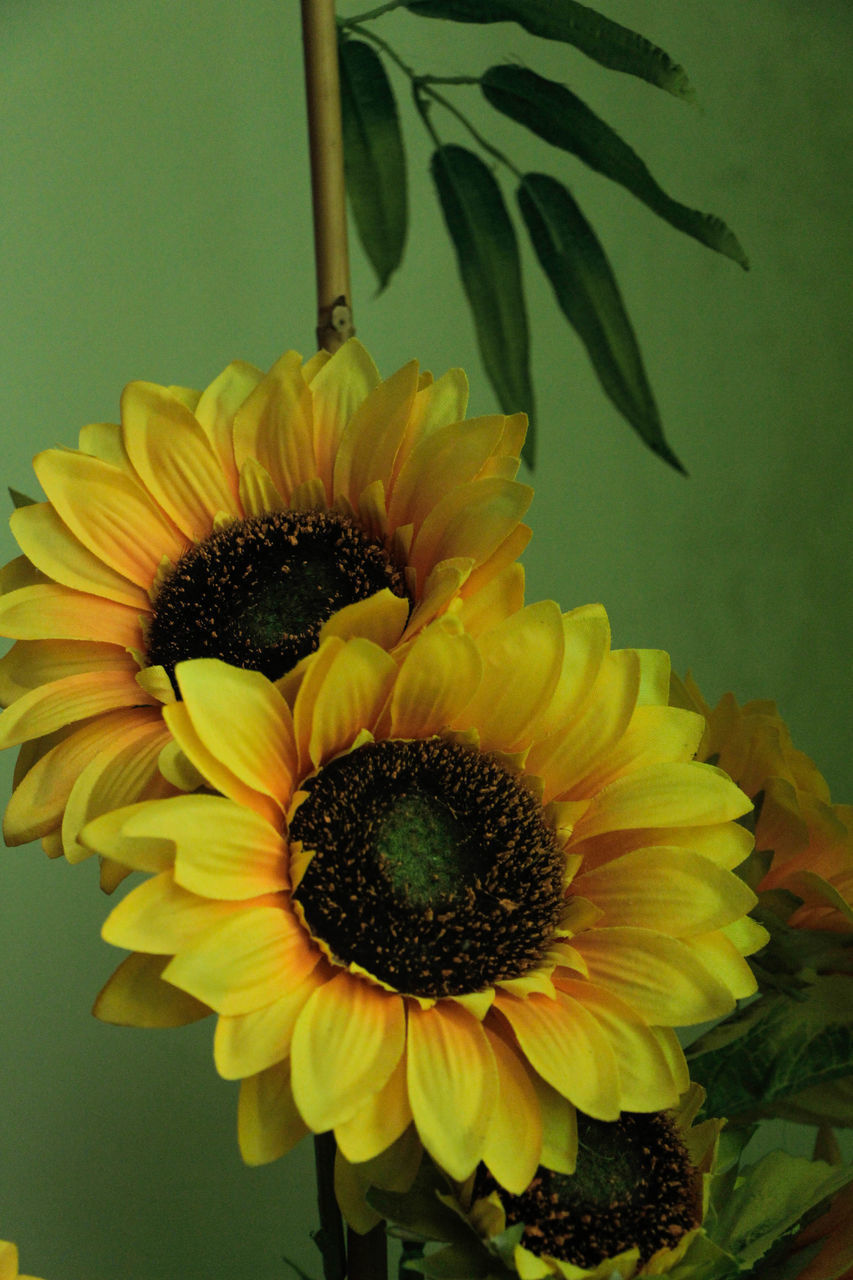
x,y
174,459
495,600
435,406
373,434
658,976
337,390
471,520
105,835
136,996
654,735
450,456
664,795
53,548
442,584
669,889
246,961
64,701
726,844
586,643
380,618
51,611
268,1123
514,1140
723,959
529,644
452,1079
566,1046
348,1039
350,698
258,746
258,493
109,512
275,426
383,1118
30,664
246,1043
217,408
559,1128
160,918
302,687
436,681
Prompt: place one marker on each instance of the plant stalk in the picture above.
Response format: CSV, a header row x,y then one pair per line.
x,y
328,192
367,1256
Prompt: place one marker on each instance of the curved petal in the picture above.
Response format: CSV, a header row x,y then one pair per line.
x,y
337,390
721,957
436,405
34,664
373,434
246,961
382,1119
450,456
257,492
655,735
566,1046
217,408
246,1043
268,1123
348,1039
53,548
471,520
109,512
74,698
380,618
495,600
159,917
665,795
174,459
350,698
586,643
453,1084
514,1140
258,744
136,996
210,767
54,612
436,681
726,844
658,976
275,426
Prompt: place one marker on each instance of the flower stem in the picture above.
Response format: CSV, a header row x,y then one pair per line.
x,y
330,1237
367,1256
325,136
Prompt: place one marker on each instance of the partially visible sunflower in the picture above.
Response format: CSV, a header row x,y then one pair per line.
x,y
811,839
453,894
236,523
9,1263
633,1206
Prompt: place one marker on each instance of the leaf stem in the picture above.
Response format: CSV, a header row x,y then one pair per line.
x,y
372,13
328,192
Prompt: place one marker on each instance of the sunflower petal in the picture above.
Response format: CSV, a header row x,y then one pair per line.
x,y
337,390
382,1119
51,611
136,996
719,955
380,618
159,917
373,434
275,426
268,1123
64,701
671,795
217,408
436,681
450,456
453,1082
350,698
471,520
514,1141
53,548
246,1043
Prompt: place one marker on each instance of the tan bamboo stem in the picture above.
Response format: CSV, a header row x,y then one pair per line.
x,y
325,136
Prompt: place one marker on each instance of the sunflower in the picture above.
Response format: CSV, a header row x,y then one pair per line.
x,y
633,1206
9,1262
808,840
444,897
238,523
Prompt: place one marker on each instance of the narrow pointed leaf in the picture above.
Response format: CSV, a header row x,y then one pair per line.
x,y
556,114
489,264
605,41
20,499
586,290
374,157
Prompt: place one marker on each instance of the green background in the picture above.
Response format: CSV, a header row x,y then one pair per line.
x,y
156,224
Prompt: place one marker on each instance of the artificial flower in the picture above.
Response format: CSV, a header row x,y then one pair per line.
x,y
235,523
456,893
9,1262
808,840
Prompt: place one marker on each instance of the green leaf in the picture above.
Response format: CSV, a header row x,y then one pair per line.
x,y
554,113
775,1049
374,158
586,290
770,1200
20,499
607,42
489,264
420,1210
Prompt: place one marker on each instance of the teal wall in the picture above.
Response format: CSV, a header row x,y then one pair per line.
x,y
155,224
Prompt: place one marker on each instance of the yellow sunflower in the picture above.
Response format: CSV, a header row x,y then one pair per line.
x,y
9,1262
811,839
444,897
235,523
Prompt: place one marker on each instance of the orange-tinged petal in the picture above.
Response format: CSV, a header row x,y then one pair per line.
x,y
208,764
453,1083
645,1080
217,408
74,698
450,456
435,406
529,645
726,844
275,426
246,961
586,643
496,599
159,917
559,1128
566,1046
568,755
436,681
658,976
258,494
53,548
668,889
514,1140
174,459
32,664
443,583
380,618
136,996
351,697
51,611
302,687
106,835
337,390
268,1123
373,434
471,520
246,1043
679,794
655,735
259,747
720,956
348,1039
109,512
382,1119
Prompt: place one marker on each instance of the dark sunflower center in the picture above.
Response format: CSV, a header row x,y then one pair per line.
x,y
257,593
432,867
633,1187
